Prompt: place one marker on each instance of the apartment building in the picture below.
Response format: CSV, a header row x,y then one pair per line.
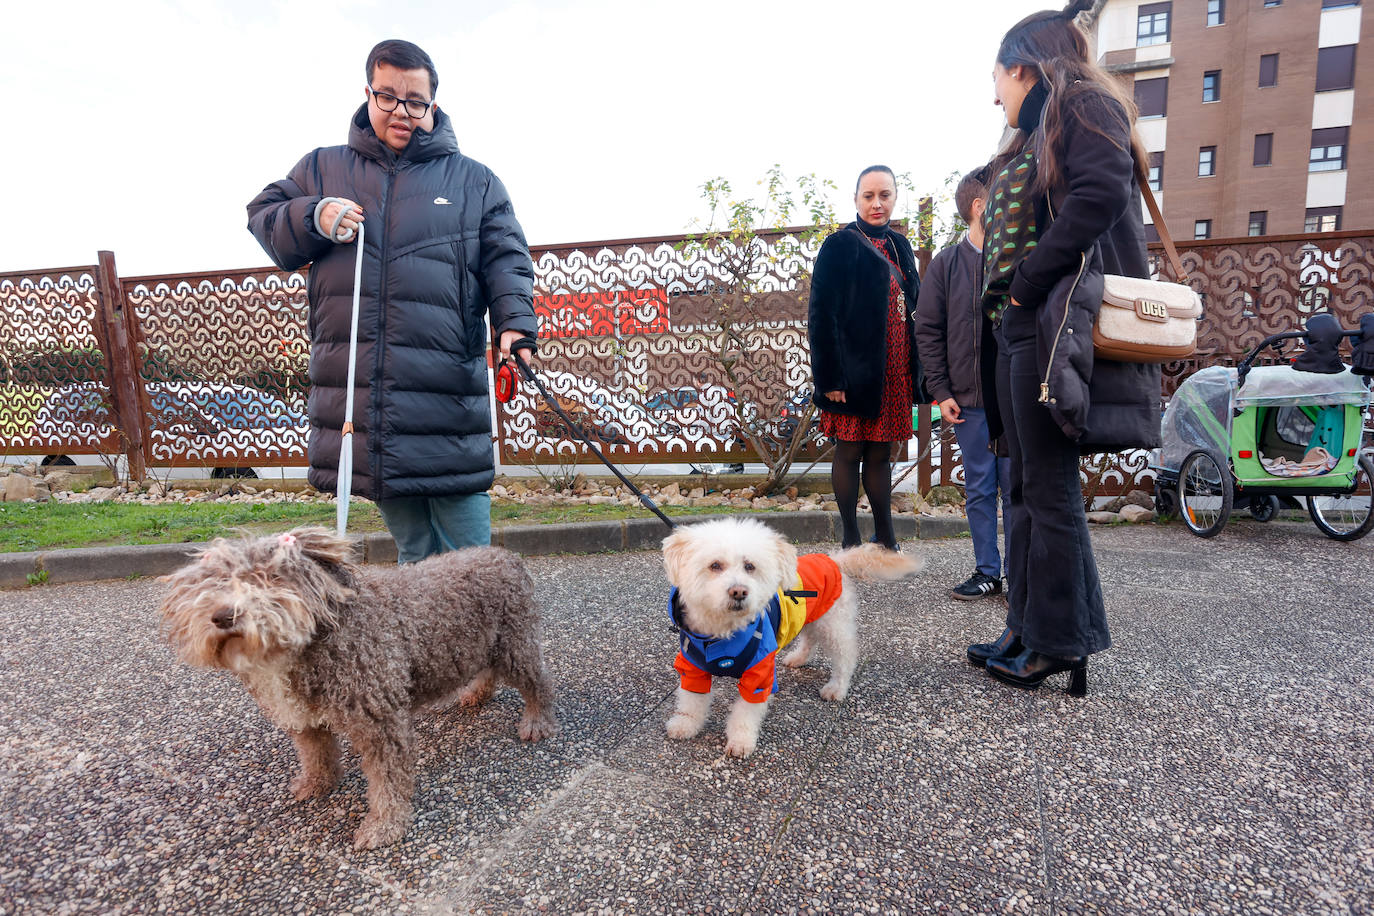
x,y
1258,114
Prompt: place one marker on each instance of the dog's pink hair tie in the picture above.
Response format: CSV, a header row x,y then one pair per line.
x,y
286,540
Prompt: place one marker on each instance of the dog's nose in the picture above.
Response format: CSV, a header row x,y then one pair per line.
x,y
223,618
738,592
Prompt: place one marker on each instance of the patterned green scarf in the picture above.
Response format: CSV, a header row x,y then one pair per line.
x,y
1009,224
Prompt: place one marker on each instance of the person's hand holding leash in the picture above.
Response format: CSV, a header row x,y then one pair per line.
x,y
337,219
508,338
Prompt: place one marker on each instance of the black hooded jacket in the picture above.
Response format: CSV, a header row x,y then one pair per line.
x,y
441,248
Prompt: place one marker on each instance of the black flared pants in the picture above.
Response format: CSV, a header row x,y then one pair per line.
x,y
1054,594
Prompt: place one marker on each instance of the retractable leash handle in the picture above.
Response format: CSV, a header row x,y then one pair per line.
x,y
525,370
344,485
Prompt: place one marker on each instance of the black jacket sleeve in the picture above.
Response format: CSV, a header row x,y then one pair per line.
x,y
932,326
1097,183
282,219
507,274
827,291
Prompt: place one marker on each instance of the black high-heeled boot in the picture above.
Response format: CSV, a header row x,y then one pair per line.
x,y
1029,670
1008,644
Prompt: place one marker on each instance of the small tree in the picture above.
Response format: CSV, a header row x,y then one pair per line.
x,y
759,268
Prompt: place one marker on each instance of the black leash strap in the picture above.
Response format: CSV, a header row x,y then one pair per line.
x,y
525,370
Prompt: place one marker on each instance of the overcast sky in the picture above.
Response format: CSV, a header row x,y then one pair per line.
x,y
144,127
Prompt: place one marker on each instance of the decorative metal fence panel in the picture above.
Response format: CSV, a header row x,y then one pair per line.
x,y
666,350
224,366
54,375
661,349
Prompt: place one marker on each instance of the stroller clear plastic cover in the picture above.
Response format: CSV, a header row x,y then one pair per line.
x,y
1199,415
1279,386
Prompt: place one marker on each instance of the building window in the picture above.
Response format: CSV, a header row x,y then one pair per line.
x,y
1269,70
1259,221
1152,24
1322,219
1211,86
1328,149
1264,149
1156,180
1336,68
1216,12
1206,161
1202,229
1152,97
1269,3
1333,4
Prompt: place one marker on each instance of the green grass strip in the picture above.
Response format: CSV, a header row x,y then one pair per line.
x,y
53,526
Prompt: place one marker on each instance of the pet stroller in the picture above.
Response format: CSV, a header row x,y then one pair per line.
x,y
1252,434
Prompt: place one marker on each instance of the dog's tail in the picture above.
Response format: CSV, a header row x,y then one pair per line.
x,y
872,561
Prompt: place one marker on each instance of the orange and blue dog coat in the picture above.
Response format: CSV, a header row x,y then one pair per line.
x,y
750,654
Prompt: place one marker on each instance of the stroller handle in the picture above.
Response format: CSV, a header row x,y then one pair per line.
x,y
1276,341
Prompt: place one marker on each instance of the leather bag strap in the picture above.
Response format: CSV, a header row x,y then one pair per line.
x,y
1180,274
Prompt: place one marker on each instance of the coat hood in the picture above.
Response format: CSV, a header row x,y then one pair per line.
x,y
423,145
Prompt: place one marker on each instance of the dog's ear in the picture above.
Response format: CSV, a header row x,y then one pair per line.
x,y
675,548
786,555
320,545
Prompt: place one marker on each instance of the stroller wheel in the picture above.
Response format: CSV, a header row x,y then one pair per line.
x,y
1166,501
1264,508
1347,516
1204,494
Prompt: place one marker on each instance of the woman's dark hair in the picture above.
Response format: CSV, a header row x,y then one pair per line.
x,y
1053,46
971,187
874,168
402,55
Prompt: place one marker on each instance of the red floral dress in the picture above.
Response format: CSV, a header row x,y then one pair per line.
x,y
893,423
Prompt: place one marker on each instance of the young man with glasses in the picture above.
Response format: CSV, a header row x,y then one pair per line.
x,y
442,250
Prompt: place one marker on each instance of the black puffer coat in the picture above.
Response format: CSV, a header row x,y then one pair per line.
x,y
848,321
1091,224
441,248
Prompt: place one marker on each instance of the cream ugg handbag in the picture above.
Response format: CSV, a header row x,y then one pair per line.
x,y
1148,321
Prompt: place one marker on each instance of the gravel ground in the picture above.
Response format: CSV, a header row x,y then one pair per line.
x,y
1220,763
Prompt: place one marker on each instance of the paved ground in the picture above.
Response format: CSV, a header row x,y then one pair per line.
x,y
1220,764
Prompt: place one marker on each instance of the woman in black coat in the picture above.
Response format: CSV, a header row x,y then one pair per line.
x,y
1062,207
863,362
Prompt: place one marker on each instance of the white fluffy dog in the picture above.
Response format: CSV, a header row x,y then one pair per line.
x,y
740,595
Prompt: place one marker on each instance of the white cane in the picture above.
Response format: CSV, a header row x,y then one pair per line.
x,y
345,482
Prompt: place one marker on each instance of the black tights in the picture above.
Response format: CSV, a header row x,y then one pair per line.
x,y
877,479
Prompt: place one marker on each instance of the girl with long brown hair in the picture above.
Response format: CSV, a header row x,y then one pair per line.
x,y
1062,211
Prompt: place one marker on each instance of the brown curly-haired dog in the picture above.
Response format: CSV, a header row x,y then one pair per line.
x,y
327,646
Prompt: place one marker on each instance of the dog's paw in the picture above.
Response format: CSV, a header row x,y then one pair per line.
x,y
741,746
537,728
834,691
681,727
376,831
477,692
312,785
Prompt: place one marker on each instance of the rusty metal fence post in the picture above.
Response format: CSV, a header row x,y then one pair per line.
x,y
925,236
125,380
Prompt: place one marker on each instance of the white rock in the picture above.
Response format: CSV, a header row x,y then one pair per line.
x,y
1135,513
18,487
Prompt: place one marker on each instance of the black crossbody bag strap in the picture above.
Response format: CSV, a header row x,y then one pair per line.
x,y
901,281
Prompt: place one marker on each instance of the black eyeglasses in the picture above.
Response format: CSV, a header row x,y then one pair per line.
x,y
388,102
